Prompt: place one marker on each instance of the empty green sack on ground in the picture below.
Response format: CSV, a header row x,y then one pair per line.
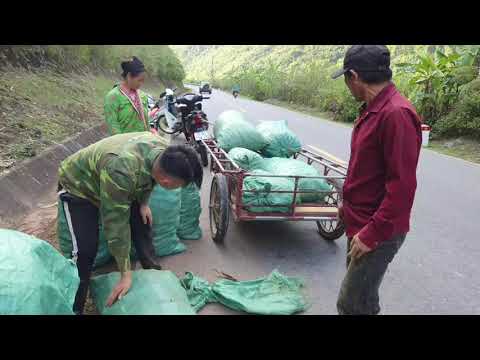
x,y
35,279
232,130
275,294
281,141
190,210
153,292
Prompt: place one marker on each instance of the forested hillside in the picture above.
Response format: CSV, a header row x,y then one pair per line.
x,y
441,80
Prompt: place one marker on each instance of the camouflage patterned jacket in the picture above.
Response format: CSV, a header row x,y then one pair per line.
x,y
113,173
120,114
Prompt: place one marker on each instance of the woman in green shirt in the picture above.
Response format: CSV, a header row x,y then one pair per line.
x,y
126,106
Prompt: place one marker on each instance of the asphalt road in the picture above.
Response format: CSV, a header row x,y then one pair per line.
x,y
437,271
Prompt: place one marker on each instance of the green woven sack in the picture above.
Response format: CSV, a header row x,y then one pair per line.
x,y
153,292
232,130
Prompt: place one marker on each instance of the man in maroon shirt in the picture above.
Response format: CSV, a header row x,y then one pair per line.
x,y
381,180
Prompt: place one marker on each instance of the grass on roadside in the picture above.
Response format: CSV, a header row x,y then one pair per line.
x,y
462,148
41,108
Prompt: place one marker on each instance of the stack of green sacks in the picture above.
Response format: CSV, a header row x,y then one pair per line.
x,y
232,130
263,200
281,141
35,279
255,164
246,159
293,167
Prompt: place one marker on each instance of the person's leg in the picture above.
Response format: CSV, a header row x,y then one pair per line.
x,y
82,220
142,239
359,290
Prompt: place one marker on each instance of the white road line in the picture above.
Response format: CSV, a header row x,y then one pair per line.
x,y
451,157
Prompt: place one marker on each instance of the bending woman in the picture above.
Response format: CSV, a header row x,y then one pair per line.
x,y
111,181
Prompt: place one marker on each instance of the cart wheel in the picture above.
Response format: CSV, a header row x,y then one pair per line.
x,y
219,208
203,154
332,229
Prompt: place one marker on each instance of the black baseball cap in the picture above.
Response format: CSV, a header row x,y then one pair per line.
x,y
366,58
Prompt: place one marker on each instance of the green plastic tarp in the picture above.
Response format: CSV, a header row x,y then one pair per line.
x,y
262,201
190,210
165,206
35,279
275,294
153,292
232,130
246,159
293,167
281,141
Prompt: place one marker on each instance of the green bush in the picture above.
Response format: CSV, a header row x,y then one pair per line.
x,y
439,80
347,109
464,119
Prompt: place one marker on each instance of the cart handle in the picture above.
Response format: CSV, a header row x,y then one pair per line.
x,y
334,168
327,156
217,160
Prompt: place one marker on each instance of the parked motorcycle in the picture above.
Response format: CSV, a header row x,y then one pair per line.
x,y
183,114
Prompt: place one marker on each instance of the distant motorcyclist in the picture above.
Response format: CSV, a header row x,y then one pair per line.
x,y
236,90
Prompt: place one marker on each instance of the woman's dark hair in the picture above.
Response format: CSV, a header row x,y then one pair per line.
x,y
182,162
133,66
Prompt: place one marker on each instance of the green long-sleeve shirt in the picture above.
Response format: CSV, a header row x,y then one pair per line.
x,y
112,174
120,114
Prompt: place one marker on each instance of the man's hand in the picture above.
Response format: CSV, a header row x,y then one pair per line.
x,y
121,289
146,214
357,248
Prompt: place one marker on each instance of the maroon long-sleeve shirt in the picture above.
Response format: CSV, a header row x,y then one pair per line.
x,y
381,180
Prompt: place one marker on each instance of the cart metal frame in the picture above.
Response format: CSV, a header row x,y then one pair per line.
x,y
226,194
